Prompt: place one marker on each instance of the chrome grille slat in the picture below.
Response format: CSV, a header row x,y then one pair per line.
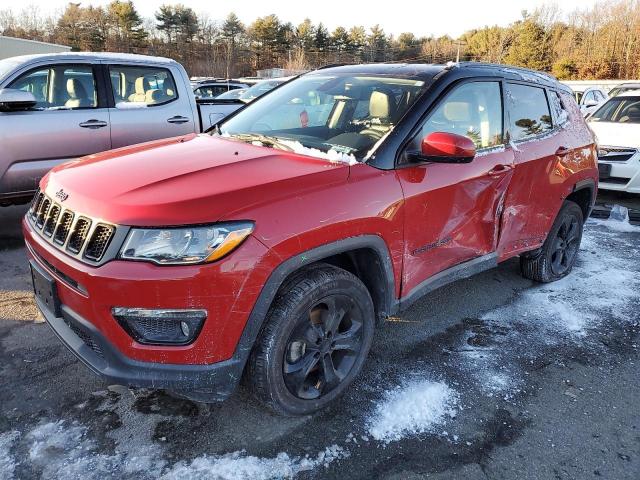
x,y
78,235
98,242
42,213
51,221
63,228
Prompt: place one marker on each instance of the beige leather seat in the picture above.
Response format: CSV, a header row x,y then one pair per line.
x,y
382,109
78,97
154,96
142,85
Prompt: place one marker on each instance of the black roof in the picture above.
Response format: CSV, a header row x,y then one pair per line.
x,y
427,72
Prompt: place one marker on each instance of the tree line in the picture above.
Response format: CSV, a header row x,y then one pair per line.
x,y
595,43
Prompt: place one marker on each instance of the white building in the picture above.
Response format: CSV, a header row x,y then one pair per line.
x,y
11,47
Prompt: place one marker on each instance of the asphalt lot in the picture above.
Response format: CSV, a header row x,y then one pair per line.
x,y
491,377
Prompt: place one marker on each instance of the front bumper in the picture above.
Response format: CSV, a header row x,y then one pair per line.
x,y
213,382
624,176
207,369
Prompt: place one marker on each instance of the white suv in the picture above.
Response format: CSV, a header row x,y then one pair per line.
x,y
617,126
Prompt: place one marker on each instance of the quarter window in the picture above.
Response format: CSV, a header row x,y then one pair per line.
x,y
562,116
529,113
141,87
473,110
60,87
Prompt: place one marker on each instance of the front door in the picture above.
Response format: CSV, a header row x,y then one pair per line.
x,y
452,211
69,121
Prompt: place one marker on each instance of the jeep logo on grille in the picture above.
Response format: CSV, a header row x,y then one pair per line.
x,y
62,195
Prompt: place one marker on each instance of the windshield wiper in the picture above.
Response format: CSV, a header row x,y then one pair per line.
x,y
264,139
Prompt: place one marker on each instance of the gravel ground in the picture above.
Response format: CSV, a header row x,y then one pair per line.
x,y
491,377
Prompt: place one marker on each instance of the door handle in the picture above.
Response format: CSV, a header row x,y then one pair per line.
x,y
499,170
562,151
178,119
93,124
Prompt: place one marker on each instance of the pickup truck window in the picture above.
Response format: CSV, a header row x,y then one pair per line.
x,y
60,87
528,111
344,113
140,87
474,110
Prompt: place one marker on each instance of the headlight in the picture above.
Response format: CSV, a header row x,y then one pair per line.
x,y
185,245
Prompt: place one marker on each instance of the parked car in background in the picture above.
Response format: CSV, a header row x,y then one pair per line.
x,y
589,98
232,94
210,89
624,87
223,106
270,248
59,107
617,127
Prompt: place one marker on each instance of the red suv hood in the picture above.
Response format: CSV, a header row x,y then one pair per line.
x,y
186,180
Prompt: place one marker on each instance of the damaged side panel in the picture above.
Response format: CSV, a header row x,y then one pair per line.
x,y
451,212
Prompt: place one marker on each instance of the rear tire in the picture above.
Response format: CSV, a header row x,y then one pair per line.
x,y
558,254
315,341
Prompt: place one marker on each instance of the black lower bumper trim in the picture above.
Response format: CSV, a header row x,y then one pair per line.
x,y
213,382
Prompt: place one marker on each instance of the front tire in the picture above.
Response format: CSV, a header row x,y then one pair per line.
x,y
315,341
560,250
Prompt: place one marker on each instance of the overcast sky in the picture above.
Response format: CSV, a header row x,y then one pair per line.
x,y
422,17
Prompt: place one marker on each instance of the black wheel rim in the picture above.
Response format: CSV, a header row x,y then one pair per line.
x,y
323,347
565,245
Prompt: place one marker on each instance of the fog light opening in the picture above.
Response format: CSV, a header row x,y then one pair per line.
x,y
160,326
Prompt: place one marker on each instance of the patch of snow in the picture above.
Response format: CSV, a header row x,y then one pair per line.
x,y
418,406
332,155
131,105
618,221
7,461
239,466
64,451
571,305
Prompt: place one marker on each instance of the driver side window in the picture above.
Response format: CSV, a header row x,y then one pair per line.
x,y
473,110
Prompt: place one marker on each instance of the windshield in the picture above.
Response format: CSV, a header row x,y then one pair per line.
x,y
619,110
259,89
341,114
6,66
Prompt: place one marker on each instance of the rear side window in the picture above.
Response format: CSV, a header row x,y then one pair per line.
x,y
60,87
141,87
529,114
473,110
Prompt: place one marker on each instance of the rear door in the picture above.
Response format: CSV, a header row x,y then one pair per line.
x,y
147,103
452,210
532,200
70,120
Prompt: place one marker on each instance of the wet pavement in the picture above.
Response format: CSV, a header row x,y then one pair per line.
x,y
491,377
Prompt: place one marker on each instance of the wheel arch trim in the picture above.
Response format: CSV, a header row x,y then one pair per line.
x,y
301,260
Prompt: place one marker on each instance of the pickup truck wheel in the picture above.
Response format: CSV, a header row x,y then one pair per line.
x,y
560,249
315,341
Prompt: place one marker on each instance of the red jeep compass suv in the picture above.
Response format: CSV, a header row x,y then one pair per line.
x,y
270,246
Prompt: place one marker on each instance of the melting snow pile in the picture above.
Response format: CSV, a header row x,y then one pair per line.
x,y
618,221
7,462
416,407
240,466
65,452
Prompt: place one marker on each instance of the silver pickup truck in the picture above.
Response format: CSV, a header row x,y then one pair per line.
x,y
58,107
